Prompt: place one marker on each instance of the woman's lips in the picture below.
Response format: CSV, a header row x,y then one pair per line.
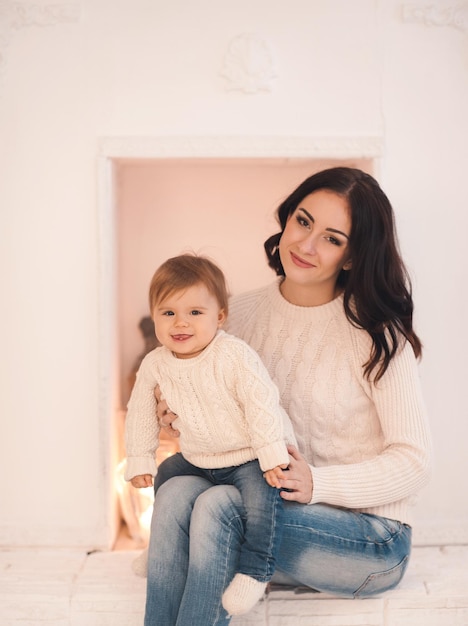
x,y
300,262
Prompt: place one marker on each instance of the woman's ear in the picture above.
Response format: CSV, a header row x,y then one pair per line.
x,y
347,266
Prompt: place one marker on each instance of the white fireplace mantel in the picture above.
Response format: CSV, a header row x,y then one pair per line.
x,y
240,147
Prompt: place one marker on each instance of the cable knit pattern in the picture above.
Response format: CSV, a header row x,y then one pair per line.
x,y
368,445
228,408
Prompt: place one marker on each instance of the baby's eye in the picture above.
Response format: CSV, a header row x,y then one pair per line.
x,y
195,312
168,313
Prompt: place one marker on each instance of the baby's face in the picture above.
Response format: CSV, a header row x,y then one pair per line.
x,y
186,321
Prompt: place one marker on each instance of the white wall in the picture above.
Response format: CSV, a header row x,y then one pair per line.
x,y
100,68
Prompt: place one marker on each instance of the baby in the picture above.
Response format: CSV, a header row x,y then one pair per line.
x,y
233,430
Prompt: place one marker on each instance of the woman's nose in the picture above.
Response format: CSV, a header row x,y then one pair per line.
x,y
308,245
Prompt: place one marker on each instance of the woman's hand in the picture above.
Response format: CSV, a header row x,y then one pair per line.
x,y
298,479
142,481
164,414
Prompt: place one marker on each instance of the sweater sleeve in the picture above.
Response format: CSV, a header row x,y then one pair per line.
x,y
269,426
403,465
141,425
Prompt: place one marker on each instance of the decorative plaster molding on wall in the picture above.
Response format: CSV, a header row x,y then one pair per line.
x,y
235,147
46,15
248,65
16,15
437,15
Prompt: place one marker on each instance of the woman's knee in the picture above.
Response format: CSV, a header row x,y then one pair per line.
x,y
175,499
217,506
216,527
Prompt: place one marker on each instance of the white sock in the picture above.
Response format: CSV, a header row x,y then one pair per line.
x,y
140,564
242,594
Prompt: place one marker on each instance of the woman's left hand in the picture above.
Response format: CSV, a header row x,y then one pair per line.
x,y
298,479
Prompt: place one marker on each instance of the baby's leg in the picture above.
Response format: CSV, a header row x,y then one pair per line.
x,y
264,511
176,465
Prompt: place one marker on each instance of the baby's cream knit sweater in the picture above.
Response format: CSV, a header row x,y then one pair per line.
x,y
228,408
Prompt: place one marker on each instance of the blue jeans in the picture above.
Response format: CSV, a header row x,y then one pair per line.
x,y
195,544
262,510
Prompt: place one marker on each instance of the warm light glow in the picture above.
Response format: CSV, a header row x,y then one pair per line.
x,y
137,504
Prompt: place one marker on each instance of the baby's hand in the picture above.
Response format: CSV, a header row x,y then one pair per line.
x,y
145,480
274,475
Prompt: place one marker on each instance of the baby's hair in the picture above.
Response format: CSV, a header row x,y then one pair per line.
x,y
184,271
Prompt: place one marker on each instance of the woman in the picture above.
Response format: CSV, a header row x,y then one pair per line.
x,y
335,332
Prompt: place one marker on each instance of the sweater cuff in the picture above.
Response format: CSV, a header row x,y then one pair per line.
x,y
138,466
324,486
273,455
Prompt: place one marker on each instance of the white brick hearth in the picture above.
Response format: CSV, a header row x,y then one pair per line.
x,y
41,587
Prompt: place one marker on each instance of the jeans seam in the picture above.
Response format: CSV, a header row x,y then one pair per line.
x,y
308,529
225,563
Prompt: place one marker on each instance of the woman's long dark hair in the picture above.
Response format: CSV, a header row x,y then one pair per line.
x,y
377,288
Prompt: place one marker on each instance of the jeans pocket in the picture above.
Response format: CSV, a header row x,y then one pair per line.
x,y
383,581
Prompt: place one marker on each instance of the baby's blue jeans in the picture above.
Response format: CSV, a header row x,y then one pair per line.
x,y
262,509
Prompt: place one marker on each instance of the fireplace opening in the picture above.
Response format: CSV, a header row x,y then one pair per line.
x,y
154,208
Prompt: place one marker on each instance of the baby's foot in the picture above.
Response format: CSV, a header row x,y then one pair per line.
x,y
242,594
140,564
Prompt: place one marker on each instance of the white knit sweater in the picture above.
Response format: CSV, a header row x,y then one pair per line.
x,y
368,445
228,408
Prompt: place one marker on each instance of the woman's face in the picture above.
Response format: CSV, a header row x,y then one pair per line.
x,y
314,246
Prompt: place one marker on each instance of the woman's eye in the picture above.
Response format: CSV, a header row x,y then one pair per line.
x,y
333,240
302,221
